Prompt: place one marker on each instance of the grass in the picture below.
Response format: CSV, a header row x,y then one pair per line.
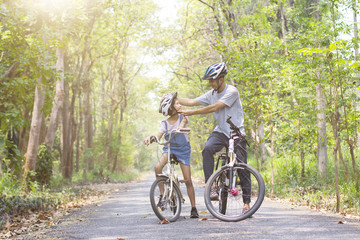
x,y
310,189
15,200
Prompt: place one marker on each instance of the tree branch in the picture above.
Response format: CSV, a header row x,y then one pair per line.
x,y
8,72
221,31
203,2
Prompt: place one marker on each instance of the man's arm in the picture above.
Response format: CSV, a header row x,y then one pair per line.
x,y
205,110
188,102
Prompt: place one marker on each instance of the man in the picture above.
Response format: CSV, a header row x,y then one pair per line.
x,y
222,100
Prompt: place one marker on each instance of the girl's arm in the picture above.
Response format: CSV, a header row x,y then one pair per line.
x,y
147,139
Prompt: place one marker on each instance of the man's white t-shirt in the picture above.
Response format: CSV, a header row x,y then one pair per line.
x,y
231,98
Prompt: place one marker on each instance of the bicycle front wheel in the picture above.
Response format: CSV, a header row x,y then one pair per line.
x,y
228,206
165,201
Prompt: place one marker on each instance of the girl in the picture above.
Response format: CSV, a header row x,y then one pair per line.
x,y
179,144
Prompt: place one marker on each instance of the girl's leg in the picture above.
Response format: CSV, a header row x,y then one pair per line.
x,y
159,167
189,185
160,164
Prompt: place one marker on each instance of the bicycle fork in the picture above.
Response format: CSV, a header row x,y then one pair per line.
x,y
173,178
232,175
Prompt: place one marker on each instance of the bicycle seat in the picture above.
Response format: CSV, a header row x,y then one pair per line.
x,y
174,158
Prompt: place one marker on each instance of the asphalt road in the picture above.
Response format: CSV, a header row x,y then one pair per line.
x,y
127,214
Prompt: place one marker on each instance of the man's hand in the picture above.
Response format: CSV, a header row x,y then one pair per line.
x,y
186,112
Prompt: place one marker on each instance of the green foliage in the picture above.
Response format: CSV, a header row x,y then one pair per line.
x,y
11,158
276,70
8,183
110,48
44,165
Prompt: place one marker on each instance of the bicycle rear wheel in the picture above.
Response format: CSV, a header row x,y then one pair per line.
x,y
250,188
166,203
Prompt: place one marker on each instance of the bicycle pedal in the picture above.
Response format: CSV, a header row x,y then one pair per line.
x,y
182,181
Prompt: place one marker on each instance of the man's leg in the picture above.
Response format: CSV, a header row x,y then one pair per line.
x,y
214,144
245,181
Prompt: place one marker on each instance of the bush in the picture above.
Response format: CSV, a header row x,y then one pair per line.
x,y
44,166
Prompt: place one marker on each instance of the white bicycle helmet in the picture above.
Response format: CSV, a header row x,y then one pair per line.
x,y
166,103
215,71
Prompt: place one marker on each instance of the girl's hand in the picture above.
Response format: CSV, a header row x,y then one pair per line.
x,y
147,141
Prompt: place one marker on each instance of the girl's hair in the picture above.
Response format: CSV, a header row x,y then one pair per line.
x,y
172,108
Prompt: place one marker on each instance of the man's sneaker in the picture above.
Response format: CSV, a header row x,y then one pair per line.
x,y
194,213
214,194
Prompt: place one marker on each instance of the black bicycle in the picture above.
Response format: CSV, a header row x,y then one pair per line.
x,y
235,185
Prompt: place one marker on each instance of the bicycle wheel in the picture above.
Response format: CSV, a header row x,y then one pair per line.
x,y
250,188
166,203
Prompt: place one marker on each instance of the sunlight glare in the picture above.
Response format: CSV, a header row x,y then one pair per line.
x,y
51,5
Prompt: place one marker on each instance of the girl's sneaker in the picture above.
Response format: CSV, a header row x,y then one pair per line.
x,y
194,213
161,203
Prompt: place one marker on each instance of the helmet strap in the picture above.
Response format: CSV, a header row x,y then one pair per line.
x,y
219,86
172,110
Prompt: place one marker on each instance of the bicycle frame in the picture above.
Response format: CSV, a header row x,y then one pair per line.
x,y
170,174
231,156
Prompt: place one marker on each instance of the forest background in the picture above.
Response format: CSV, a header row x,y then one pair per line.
x,y
81,80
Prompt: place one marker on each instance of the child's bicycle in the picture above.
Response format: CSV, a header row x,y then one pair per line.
x,y
234,184
165,194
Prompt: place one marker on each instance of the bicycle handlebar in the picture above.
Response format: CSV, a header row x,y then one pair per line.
x,y
232,125
181,130
236,129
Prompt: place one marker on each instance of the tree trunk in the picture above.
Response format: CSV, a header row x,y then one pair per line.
x,y
88,130
336,147
1,170
343,162
116,154
65,136
356,34
321,124
24,132
35,128
78,136
272,139
227,9
59,100
354,166
302,159
43,130
351,143
281,6
111,117
261,134
256,139
216,16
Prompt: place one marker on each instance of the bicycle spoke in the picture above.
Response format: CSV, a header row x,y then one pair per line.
x,y
248,189
166,202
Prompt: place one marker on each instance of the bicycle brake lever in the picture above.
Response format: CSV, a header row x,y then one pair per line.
x,y
153,139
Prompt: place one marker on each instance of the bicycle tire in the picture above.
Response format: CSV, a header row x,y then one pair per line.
x,y
234,204
170,207
223,189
